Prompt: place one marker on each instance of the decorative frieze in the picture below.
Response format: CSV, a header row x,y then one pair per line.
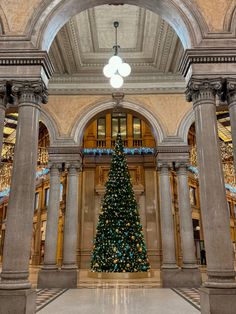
x,y
27,58
204,56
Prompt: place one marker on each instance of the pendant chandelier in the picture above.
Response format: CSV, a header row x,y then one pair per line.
x,y
116,69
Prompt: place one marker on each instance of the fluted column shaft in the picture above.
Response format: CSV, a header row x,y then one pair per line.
x,y
21,200
50,251
186,225
231,98
71,219
2,112
215,217
167,225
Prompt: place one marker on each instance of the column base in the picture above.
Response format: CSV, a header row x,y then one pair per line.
x,y
18,301
218,301
57,279
181,278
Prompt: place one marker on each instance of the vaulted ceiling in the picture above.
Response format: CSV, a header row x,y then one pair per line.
x,y
84,45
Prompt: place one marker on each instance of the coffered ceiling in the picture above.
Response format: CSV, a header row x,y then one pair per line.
x,y
84,45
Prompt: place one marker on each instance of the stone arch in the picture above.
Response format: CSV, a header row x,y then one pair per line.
x,y
77,132
4,27
185,125
230,19
180,14
51,126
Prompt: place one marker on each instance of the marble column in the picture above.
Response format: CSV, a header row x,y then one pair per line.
x,y
215,218
15,293
71,219
185,213
191,276
231,99
167,225
50,250
47,277
3,102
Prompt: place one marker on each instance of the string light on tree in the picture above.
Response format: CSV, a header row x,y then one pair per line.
x,y
116,69
119,244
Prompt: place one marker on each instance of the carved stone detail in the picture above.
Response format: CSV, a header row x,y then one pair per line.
x,y
181,168
231,91
164,167
200,90
74,167
31,92
3,94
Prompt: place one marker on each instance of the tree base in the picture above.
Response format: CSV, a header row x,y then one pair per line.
x,y
117,275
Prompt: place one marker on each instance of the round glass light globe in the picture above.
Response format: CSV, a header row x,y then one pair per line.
x,y
116,81
109,70
115,61
124,69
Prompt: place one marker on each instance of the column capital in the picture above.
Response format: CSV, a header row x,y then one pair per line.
x,y
200,90
30,92
3,94
54,167
231,91
181,168
74,167
164,167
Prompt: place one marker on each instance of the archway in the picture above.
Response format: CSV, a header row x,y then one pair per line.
x,y
159,131
96,165
188,25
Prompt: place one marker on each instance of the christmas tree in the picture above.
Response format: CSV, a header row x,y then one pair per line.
x,y
119,244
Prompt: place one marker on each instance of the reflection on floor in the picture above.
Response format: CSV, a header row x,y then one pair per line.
x,y
96,296
119,301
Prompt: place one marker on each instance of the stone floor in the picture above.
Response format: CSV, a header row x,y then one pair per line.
x,y
119,301
96,296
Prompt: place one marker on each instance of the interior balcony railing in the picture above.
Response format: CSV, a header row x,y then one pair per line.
x,y
104,143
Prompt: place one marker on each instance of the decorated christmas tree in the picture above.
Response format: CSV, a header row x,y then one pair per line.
x,y
119,244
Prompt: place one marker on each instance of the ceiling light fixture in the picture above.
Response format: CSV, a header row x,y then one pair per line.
x,y
116,69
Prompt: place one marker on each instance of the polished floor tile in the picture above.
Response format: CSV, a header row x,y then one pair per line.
x,y
119,301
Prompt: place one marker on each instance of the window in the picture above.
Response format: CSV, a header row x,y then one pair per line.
x,y
136,128
46,197
192,194
119,125
101,128
36,201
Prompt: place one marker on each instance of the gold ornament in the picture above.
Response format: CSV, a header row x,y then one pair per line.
x,y
114,249
123,270
117,230
115,261
140,249
128,224
127,265
137,244
140,260
107,221
132,237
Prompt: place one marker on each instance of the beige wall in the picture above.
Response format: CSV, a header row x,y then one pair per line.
x,y
18,13
168,110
